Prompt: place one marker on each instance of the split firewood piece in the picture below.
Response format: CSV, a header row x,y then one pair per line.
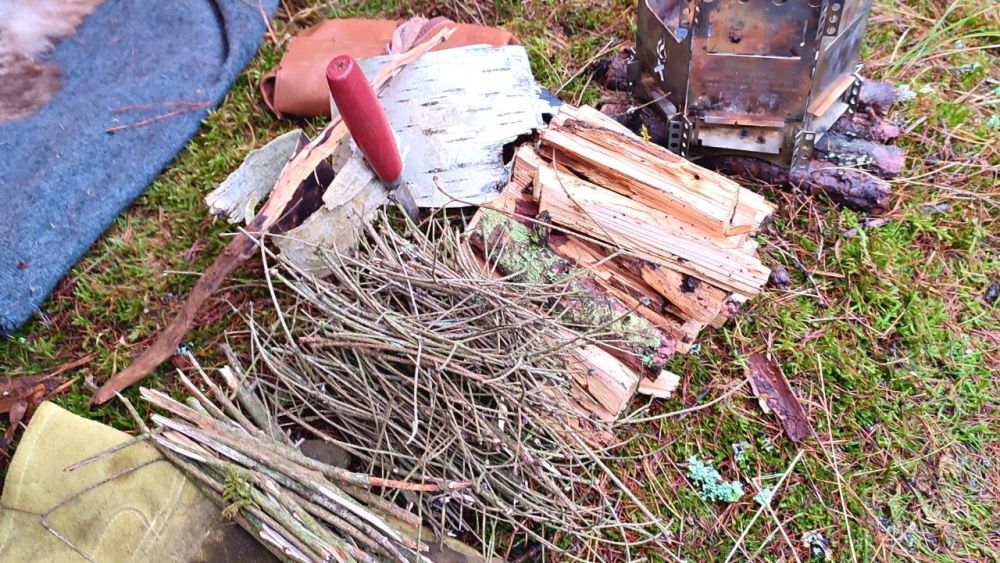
x,y
605,378
662,387
696,298
297,186
685,332
661,288
525,165
652,175
629,289
646,233
513,249
605,266
750,206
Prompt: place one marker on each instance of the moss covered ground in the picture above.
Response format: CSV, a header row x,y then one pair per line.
x,y
891,337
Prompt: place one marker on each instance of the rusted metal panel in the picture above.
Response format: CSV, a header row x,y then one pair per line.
x,y
733,27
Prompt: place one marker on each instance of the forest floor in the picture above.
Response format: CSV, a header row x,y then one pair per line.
x,y
891,338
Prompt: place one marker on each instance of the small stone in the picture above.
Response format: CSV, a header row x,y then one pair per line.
x,y
992,292
779,278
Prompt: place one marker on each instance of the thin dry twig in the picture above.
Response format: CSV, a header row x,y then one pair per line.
x,y
760,510
151,120
419,363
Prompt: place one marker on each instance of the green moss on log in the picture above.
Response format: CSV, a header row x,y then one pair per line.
x,y
513,249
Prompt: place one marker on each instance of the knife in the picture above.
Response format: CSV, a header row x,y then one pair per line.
x,y
368,124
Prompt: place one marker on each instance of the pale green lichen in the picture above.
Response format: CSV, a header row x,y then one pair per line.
x,y
640,332
648,360
820,546
968,68
764,496
237,493
711,485
527,262
904,93
740,450
519,233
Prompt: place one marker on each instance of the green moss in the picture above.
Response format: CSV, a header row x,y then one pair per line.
x,y
892,336
237,493
530,263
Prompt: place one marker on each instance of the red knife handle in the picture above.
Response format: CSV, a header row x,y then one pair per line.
x,y
364,117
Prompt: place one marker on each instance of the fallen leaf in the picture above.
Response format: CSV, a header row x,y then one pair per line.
x,y
20,396
14,390
17,412
774,393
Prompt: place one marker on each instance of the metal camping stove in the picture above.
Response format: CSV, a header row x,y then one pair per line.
x,y
766,77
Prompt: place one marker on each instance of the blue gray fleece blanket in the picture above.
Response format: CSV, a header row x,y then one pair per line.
x,y
63,176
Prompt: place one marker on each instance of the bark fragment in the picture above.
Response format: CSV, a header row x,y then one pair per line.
x,y
774,393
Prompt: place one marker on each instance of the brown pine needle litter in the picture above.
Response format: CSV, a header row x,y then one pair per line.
x,y
447,385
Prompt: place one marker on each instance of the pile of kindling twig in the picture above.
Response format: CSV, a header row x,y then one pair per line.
x,y
299,508
415,359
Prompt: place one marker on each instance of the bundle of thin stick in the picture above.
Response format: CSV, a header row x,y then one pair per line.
x,y
415,359
300,509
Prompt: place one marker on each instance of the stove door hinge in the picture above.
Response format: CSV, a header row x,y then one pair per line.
x,y
804,143
679,135
833,12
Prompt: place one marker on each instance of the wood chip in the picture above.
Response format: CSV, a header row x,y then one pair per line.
x,y
662,387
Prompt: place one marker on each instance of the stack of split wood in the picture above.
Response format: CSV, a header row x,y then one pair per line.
x,y
639,232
